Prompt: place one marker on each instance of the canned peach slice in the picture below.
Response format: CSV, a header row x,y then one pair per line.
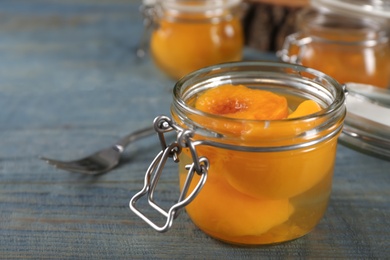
x,y
305,108
242,102
253,110
230,213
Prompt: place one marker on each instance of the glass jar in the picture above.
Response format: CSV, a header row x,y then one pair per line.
x,y
189,35
268,181
350,47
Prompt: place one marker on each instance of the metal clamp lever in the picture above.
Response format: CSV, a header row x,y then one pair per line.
x,y
200,166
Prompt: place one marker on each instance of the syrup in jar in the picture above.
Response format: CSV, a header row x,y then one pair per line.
x,y
349,47
189,35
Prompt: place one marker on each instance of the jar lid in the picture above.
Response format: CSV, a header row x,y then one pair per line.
x,y
374,8
367,125
198,6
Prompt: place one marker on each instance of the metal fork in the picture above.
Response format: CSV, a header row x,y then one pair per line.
x,y
103,160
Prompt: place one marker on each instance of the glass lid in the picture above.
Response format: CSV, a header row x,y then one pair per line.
x,y
367,125
377,8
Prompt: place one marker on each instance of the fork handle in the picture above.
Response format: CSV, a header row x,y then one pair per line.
x,y
126,140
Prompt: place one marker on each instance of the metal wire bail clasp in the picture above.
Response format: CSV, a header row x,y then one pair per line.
x,y
148,12
200,165
293,48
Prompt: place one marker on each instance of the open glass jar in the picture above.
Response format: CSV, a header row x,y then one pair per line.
x,y
251,182
189,35
348,45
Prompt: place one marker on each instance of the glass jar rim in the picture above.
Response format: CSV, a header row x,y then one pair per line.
x,y
188,11
198,6
367,31
336,104
375,9
324,88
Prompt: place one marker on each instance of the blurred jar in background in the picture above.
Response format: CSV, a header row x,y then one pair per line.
x,y
347,46
189,35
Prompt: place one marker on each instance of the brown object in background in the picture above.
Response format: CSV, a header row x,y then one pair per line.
x,y
267,23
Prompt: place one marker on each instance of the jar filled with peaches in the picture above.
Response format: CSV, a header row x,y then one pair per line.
x,y
348,45
188,35
256,149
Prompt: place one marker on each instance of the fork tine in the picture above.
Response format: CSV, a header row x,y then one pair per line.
x,y
56,162
51,161
59,164
70,166
73,164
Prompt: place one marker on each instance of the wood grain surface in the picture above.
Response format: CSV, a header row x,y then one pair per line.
x,y
70,84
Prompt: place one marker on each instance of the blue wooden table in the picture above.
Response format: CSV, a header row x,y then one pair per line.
x,y
69,85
